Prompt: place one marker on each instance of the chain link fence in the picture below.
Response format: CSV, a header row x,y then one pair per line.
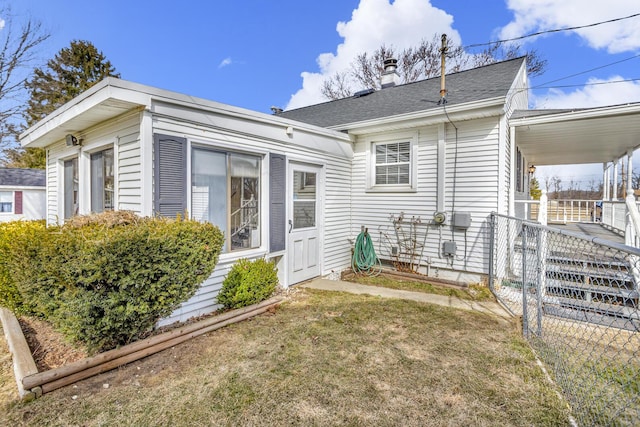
x,y
578,298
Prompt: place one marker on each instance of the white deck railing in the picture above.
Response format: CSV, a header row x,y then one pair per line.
x,y
620,216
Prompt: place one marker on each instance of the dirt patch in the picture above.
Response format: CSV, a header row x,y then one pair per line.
x,y
48,347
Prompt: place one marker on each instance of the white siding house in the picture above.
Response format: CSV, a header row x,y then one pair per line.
x,y
22,194
269,183
297,185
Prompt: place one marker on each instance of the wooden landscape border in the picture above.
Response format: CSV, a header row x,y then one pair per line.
x,y
32,384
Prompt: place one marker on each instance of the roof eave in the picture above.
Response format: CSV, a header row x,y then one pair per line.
x,y
582,114
453,112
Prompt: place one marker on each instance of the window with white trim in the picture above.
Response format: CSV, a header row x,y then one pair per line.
x,y
6,201
393,163
71,187
225,191
102,181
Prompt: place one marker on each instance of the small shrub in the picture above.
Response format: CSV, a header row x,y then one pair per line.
x,y
248,282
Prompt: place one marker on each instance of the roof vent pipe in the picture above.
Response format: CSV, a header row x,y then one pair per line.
x,y
443,54
390,76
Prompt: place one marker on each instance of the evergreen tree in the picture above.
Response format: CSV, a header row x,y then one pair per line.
x,y
73,70
534,189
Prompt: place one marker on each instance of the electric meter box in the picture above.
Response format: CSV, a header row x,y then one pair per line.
x,y
461,220
449,248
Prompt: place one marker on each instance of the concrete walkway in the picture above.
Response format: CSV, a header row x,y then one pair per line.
x,y
489,307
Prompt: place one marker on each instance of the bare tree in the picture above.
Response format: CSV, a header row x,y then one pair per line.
x,y
18,55
419,62
557,186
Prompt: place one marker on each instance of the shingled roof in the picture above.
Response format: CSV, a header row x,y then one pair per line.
x,y
489,81
15,177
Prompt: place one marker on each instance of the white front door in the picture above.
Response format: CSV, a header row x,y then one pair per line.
x,y
304,222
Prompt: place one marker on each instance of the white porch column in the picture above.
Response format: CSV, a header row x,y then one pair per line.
x,y
542,212
630,172
615,180
605,181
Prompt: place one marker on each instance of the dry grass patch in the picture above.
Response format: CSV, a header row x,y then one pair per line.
x,y
323,359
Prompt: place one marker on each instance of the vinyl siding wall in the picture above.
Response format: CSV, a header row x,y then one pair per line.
x,y
471,175
336,173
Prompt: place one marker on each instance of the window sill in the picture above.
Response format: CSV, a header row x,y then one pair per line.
x,y
230,257
391,189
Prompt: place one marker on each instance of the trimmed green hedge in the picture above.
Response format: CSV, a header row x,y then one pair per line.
x,y
248,282
14,235
105,280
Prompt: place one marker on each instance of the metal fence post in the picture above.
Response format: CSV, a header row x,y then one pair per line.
x,y
492,239
540,277
525,314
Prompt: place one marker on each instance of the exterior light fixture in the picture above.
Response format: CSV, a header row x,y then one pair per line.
x,y
71,140
532,169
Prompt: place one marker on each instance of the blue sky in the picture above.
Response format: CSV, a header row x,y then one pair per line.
x,y
257,53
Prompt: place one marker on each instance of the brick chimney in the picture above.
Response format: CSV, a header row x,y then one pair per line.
x,y
390,76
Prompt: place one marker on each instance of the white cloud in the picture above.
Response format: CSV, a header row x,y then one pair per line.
x,y
401,24
596,93
225,62
540,15
2,23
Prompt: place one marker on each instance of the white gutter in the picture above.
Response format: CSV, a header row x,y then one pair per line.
x,y
465,111
599,112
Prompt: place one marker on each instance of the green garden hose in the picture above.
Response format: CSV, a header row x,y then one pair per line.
x,y
364,256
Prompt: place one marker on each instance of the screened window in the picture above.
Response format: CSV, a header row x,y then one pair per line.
x,y
70,188
102,181
225,191
392,163
6,201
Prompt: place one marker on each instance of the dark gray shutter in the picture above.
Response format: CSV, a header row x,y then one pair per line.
x,y
169,175
277,202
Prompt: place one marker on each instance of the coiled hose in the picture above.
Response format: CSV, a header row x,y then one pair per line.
x,y
364,256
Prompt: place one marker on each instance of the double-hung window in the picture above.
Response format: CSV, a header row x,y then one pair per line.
x,y
393,163
6,201
102,181
225,191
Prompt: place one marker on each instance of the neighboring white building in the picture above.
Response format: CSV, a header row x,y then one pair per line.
x,y
22,194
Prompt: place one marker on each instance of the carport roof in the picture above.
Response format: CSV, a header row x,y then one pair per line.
x,y
577,136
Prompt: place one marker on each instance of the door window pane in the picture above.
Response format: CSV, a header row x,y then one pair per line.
x,y
304,199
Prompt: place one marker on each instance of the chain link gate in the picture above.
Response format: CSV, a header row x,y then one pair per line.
x,y
578,298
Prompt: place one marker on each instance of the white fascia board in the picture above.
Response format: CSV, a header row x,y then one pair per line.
x,y
21,187
205,105
598,112
458,112
107,89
